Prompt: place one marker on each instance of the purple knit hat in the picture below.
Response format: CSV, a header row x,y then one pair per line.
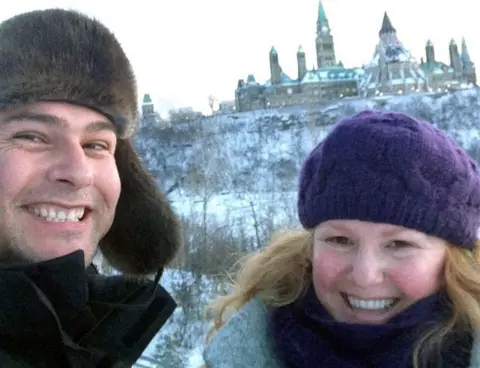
x,y
391,168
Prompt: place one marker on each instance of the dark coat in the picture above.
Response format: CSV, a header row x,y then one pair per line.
x,y
57,314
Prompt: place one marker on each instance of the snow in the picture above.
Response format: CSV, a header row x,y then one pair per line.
x,y
195,359
180,284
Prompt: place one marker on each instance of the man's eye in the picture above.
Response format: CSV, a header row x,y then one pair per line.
x,y
33,137
97,146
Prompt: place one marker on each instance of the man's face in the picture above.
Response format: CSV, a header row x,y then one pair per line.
x,y
59,184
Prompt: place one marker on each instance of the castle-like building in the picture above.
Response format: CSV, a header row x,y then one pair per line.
x,y
393,70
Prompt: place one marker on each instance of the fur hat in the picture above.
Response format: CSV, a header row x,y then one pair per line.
x,y
63,55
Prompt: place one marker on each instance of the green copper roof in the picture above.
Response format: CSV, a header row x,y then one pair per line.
x,y
322,16
147,99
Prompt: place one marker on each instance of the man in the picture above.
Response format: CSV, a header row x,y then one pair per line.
x,y
71,183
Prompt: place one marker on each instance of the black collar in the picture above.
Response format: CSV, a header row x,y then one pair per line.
x,y
59,300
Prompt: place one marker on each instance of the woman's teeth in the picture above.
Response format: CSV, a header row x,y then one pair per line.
x,y
370,304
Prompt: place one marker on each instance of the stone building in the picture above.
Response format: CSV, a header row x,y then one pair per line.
x,y
392,70
329,81
459,73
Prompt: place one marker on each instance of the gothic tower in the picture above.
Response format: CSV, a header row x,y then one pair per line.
x,y
324,41
455,61
301,63
468,67
148,111
275,69
147,106
430,52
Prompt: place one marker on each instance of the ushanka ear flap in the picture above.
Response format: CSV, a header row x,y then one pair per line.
x,y
146,233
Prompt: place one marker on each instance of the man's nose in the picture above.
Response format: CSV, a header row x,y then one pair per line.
x,y
72,166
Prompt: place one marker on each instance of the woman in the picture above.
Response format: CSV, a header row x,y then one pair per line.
x,y
385,272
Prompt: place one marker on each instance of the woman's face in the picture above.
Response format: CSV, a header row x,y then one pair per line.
x,y
367,273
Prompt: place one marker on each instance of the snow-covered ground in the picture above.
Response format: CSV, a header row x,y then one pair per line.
x,y
180,342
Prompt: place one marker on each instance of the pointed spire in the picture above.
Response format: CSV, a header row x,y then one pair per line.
x,y
300,50
465,56
429,43
386,25
273,51
322,15
322,20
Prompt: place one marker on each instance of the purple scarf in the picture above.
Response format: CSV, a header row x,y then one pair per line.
x,y
305,335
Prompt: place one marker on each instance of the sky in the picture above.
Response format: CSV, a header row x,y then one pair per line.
x,y
182,51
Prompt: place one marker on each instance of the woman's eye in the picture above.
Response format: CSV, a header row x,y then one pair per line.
x,y
399,244
338,240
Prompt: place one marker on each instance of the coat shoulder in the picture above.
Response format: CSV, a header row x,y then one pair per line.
x,y
475,356
243,341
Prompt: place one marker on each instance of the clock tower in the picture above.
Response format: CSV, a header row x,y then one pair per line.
x,y
324,41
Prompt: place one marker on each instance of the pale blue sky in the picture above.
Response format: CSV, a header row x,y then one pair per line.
x,y
184,50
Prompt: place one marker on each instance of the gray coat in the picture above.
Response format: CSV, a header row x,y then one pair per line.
x,y
244,342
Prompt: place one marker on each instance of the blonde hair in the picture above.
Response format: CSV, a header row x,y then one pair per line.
x,y
280,273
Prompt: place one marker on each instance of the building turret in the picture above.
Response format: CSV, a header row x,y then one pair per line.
x,y
465,56
469,73
301,63
455,61
275,69
430,52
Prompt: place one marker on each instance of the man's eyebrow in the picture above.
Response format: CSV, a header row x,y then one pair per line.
x,y
94,126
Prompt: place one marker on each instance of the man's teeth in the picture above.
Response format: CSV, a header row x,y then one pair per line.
x,y
57,214
371,304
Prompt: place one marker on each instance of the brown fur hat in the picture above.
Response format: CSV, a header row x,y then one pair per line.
x,y
63,55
